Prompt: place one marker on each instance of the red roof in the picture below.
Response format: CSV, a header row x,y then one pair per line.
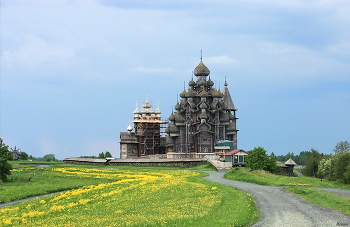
x,y
234,151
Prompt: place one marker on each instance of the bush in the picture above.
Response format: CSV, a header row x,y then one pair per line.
x,y
258,159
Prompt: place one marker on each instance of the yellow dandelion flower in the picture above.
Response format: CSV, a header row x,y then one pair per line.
x,y
7,221
57,208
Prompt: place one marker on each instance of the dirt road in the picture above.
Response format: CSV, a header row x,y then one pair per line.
x,y
282,208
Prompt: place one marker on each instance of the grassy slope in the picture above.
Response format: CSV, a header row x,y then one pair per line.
x,y
236,208
323,198
299,186
266,178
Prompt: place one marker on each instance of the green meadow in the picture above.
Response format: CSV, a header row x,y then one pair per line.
x,y
123,196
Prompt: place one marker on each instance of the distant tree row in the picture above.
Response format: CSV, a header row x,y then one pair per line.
x,y
106,154
332,167
299,159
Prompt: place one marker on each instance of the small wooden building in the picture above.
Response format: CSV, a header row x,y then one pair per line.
x,y
287,167
236,157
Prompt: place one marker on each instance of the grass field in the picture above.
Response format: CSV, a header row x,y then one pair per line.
x,y
127,196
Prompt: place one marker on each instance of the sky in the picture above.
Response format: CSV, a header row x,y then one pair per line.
x,y
73,70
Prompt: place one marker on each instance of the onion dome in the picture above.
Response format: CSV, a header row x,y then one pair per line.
x,y
172,128
203,93
129,128
183,94
202,82
203,105
177,106
147,105
179,118
210,82
172,117
216,94
201,70
191,83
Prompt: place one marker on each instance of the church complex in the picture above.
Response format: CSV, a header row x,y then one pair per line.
x,y
202,124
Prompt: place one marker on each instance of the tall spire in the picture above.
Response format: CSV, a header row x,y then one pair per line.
x,y
227,98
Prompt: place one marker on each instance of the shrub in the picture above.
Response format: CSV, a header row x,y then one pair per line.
x,y
258,159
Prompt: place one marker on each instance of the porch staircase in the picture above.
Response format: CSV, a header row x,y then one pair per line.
x,y
218,164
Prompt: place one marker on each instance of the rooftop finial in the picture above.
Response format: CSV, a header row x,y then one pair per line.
x,y
225,84
157,103
201,55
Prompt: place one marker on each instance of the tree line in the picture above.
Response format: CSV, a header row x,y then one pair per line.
x,y
334,166
100,155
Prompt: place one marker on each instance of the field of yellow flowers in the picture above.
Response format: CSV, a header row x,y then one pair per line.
x,y
135,198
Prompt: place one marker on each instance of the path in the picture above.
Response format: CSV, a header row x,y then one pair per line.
x,y
23,200
282,208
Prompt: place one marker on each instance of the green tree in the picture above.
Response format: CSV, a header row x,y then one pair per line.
x,y
5,156
31,157
311,163
258,159
342,146
23,155
108,155
101,155
301,158
343,160
346,175
49,157
273,156
326,167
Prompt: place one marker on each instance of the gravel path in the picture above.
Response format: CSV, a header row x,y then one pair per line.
x,y
282,208
341,192
298,173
